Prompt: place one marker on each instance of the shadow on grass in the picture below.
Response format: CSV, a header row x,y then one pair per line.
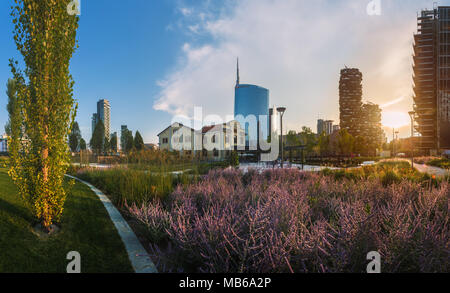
x,y
14,211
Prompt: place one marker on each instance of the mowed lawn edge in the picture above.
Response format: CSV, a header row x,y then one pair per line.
x,y
85,228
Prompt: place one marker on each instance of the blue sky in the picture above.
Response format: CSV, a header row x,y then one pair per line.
x,y
157,59
124,50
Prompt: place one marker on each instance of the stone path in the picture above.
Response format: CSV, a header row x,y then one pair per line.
x,y
138,256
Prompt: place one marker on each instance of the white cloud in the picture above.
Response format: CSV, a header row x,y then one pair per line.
x,y
186,11
296,49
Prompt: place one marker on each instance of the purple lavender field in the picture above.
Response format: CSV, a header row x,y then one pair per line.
x,y
288,221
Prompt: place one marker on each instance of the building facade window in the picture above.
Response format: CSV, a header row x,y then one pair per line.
x,y
165,140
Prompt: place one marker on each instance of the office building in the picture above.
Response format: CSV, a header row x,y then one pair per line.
x,y
432,80
320,126
251,108
328,127
123,132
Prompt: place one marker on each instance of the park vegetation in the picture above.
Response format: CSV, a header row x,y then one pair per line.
x,y
287,221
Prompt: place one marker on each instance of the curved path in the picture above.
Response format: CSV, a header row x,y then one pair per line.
x,y
430,170
138,256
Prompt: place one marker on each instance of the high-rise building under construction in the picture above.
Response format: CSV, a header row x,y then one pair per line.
x,y
432,79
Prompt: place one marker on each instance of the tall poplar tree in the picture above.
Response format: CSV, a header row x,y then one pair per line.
x,y
138,141
45,35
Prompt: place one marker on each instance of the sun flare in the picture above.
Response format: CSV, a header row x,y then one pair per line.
x,y
395,119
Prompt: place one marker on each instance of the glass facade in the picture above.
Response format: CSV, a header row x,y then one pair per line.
x,y
251,108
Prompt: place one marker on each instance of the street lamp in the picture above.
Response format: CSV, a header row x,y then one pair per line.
x,y
412,114
281,110
393,142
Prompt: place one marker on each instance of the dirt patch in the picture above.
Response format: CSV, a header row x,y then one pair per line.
x,y
42,233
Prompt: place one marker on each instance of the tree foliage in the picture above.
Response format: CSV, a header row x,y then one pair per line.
x,y
345,142
106,146
113,143
138,141
128,141
97,142
75,137
82,145
45,35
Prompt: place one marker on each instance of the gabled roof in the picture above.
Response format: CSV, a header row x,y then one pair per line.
x,y
172,126
205,129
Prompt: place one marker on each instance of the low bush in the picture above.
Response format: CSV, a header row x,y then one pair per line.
x,y
4,161
441,163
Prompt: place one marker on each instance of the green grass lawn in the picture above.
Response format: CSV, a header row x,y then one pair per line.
x,y
85,227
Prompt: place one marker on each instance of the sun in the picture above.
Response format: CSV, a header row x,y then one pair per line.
x,y
395,119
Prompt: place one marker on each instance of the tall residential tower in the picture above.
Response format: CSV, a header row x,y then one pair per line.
x,y
103,114
350,99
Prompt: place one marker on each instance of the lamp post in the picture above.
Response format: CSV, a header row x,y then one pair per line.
x,y
393,142
412,115
282,110
397,140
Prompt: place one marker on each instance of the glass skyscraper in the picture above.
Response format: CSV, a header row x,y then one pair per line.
x,y
251,106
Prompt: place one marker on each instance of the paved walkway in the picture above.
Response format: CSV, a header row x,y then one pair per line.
x,y
439,172
430,170
138,256
260,167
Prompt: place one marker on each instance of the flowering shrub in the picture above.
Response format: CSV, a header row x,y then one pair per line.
x,y
289,221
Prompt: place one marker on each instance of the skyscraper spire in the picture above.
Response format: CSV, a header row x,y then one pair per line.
x,y
237,76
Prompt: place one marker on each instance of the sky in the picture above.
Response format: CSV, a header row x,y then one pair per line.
x,y
157,60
